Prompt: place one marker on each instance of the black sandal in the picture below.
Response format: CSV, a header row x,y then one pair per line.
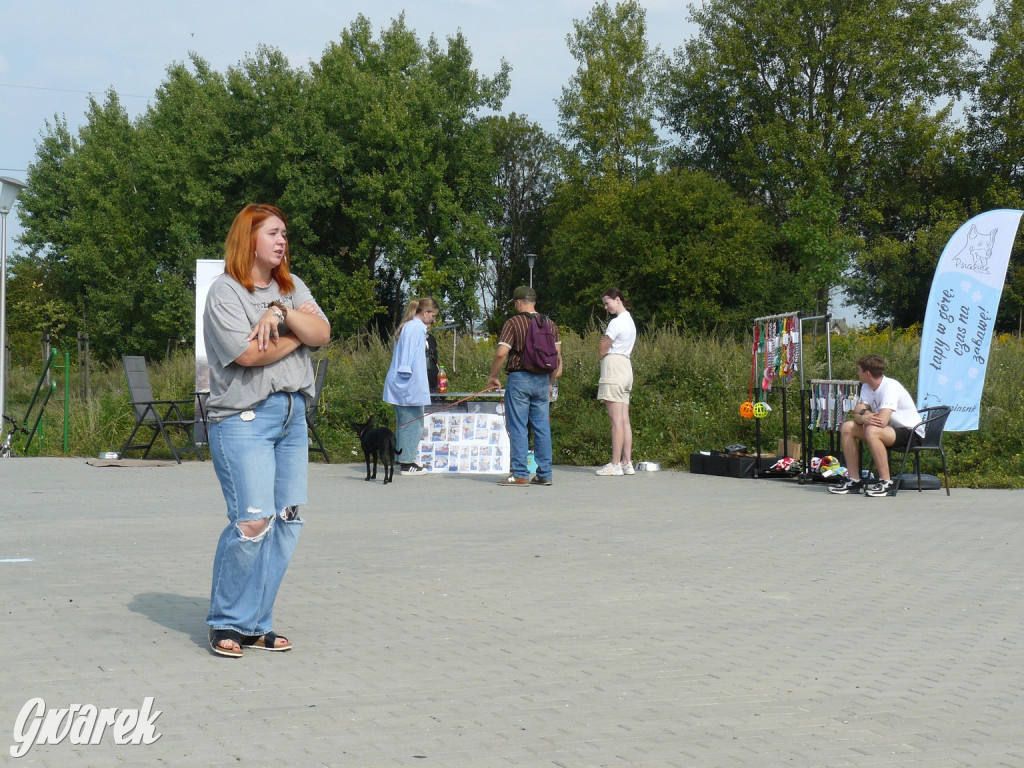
x,y
218,636
267,642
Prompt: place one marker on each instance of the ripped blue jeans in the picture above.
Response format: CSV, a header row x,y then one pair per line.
x,y
261,463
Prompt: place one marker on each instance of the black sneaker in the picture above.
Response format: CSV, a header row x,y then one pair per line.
x,y
848,485
882,488
538,480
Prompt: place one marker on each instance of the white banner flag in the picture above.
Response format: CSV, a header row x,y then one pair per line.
x,y
961,316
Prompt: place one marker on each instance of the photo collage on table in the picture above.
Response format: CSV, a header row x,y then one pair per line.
x,y
464,442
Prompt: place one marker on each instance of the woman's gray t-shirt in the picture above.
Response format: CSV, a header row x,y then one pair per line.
x,y
230,315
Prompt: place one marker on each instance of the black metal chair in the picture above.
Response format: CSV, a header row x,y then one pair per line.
x,y
158,416
315,407
934,420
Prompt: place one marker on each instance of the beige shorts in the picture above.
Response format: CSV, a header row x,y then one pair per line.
x,y
616,380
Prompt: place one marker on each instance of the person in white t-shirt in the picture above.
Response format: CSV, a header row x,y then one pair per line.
x,y
616,382
885,416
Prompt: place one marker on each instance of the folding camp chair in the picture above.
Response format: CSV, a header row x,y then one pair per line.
x,y
934,420
158,416
314,408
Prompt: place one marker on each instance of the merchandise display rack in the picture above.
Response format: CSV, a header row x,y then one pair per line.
x,y
828,402
777,356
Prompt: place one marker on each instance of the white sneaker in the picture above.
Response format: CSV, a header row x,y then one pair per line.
x,y
610,470
627,468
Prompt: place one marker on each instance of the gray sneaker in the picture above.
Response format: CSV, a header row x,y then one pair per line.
x,y
882,488
514,482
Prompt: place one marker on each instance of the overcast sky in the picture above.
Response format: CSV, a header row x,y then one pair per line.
x,y
54,53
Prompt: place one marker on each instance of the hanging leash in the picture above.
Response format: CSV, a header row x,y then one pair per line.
x,y
445,408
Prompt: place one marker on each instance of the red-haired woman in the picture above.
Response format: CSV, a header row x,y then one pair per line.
x,y
259,326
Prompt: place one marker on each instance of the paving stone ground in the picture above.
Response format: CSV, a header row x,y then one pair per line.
x,y
664,619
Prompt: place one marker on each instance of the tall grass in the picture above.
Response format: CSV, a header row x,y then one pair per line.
x,y
686,398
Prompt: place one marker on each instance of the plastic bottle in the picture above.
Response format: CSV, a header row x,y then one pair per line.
x,y
554,390
442,381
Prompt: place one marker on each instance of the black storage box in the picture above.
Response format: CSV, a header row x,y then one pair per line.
x,y
725,465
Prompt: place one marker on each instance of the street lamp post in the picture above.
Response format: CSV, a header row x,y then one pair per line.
x,y
531,259
9,189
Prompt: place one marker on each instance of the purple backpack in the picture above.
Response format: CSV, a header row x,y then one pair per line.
x,y
540,355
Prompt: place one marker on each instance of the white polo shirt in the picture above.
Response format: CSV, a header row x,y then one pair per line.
x,y
894,396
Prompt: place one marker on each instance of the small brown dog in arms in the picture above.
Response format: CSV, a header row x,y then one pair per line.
x,y
377,443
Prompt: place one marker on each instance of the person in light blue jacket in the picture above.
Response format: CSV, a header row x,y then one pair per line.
x,y
406,386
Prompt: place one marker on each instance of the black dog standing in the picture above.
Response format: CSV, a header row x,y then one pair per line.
x,y
377,442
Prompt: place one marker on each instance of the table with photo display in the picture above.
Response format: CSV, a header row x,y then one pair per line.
x,y
467,437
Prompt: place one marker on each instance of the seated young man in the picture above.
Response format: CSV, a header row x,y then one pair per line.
x,y
884,417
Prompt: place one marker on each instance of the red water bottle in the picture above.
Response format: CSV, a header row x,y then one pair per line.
x,y
442,381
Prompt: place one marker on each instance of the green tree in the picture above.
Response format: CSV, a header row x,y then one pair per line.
x,y
1013,295
996,133
35,280
894,274
997,119
376,155
96,240
37,293
682,246
795,98
405,167
191,144
33,309
607,111
527,172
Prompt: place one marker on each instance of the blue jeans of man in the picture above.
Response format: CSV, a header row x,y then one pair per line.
x,y
261,458
409,420
526,406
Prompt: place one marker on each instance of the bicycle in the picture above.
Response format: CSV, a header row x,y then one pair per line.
x,y
15,428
